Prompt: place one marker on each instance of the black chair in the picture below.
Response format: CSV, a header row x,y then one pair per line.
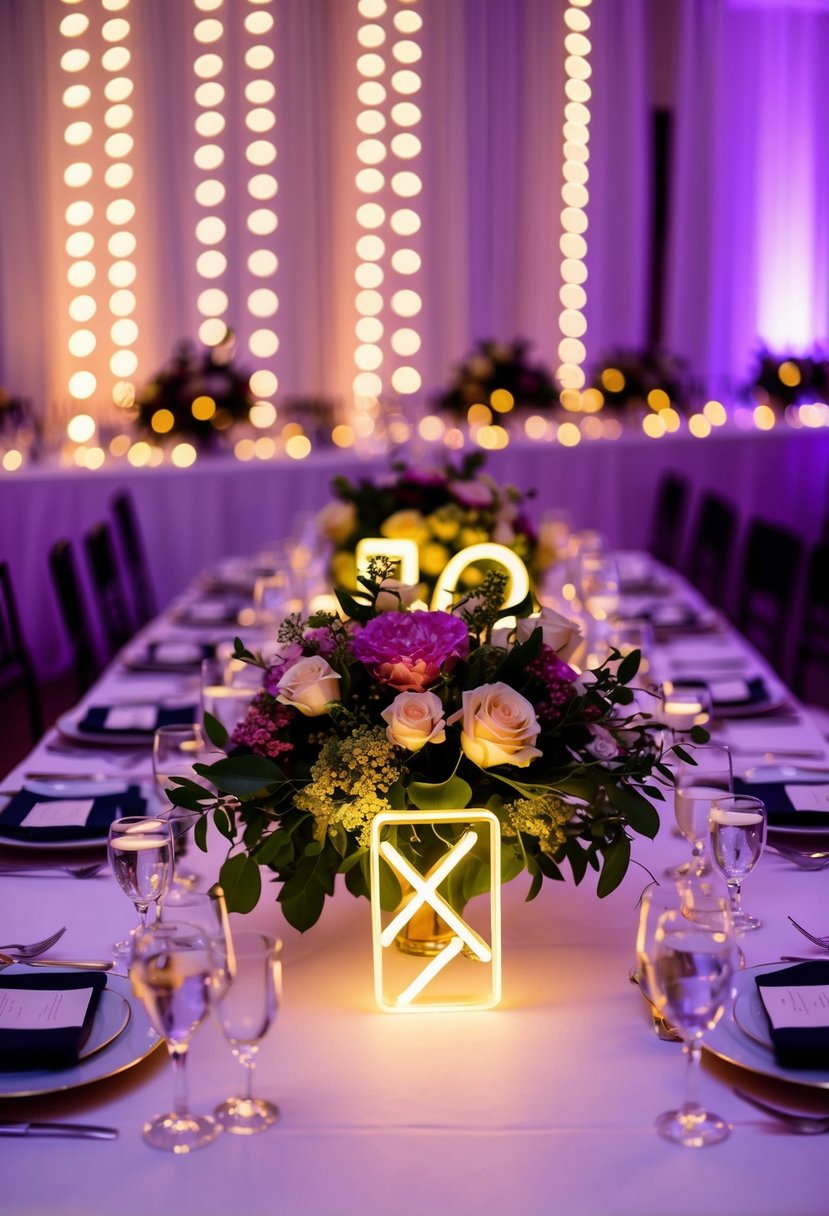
x,y
144,602
811,666
16,668
74,613
711,551
668,521
771,569
116,624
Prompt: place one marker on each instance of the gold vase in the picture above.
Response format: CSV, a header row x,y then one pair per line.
x,y
424,933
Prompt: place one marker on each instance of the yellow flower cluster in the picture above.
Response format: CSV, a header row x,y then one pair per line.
x,y
349,778
542,817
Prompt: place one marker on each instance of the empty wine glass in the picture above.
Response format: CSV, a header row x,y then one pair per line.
x,y
699,780
227,688
246,1009
140,853
694,961
173,971
737,827
598,584
176,749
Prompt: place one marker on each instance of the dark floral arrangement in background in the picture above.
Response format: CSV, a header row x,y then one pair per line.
x,y
443,510
502,369
191,375
784,378
625,378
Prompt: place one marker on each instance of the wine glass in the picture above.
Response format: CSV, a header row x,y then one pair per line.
x,y
246,1009
227,688
176,749
737,827
699,780
694,961
598,584
173,970
140,853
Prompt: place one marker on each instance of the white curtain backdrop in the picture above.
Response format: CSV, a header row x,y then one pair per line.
x,y
749,259
492,102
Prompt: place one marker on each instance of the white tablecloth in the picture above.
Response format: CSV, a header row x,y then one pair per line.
x,y
220,506
543,1105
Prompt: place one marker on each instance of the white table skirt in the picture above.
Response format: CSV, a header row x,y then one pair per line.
x,y
543,1105
193,517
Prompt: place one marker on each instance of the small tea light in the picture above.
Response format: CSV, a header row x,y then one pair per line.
x,y
683,709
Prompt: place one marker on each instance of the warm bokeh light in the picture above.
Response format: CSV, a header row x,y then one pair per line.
x,y
764,417
699,426
789,374
81,428
658,399
575,131
715,412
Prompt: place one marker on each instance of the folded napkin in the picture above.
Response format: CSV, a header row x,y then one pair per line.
x,y
786,739
118,720
790,804
796,1001
49,820
45,1020
730,692
210,612
175,652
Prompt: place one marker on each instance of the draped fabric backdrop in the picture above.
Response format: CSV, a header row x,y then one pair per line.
x,y
748,228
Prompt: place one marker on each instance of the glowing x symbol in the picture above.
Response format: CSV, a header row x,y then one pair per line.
x,y
425,892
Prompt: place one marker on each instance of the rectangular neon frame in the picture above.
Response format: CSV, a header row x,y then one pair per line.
x,y
488,953
400,550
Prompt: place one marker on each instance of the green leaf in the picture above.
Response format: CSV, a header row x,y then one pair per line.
x,y
225,823
616,861
453,794
303,895
312,849
637,811
242,776
577,856
512,863
396,796
276,850
215,732
535,886
699,734
200,834
681,754
348,863
242,884
629,666
390,892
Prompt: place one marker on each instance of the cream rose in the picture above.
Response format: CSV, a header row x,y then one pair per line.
x,y
337,520
394,596
557,632
415,719
310,685
499,726
602,745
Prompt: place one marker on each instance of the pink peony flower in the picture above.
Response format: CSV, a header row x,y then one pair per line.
x,y
408,650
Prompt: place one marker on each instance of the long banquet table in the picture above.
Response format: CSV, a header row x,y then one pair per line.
x,y
543,1105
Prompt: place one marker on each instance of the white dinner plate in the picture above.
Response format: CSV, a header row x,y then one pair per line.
x,y
67,725
70,790
741,1036
121,1037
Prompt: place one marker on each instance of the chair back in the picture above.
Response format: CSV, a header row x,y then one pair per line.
x,y
710,556
144,604
111,602
769,579
73,613
16,668
811,668
668,521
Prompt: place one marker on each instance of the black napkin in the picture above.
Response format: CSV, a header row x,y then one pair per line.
x,y
756,694
105,808
201,651
95,720
52,1047
779,808
799,1047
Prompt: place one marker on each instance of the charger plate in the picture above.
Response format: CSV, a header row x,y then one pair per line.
x,y
741,1036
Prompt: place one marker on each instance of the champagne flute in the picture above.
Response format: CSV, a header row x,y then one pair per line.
x,y
176,750
694,961
140,853
246,1009
707,775
737,827
173,970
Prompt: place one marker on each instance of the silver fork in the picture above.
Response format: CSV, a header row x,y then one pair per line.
x,y
32,949
823,942
798,1121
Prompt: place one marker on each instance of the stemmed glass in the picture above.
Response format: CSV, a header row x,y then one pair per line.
x,y
140,853
176,749
227,688
246,1009
173,971
707,775
737,827
694,960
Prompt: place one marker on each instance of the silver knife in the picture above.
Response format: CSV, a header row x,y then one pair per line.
x,y
84,964
78,1131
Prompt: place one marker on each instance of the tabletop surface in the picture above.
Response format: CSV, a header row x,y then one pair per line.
x,y
545,1104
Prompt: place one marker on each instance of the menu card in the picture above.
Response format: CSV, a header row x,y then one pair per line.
x,y
796,1001
46,1019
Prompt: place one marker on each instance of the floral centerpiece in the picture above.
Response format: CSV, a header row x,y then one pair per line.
x,y
443,510
627,378
501,377
388,708
786,378
199,394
